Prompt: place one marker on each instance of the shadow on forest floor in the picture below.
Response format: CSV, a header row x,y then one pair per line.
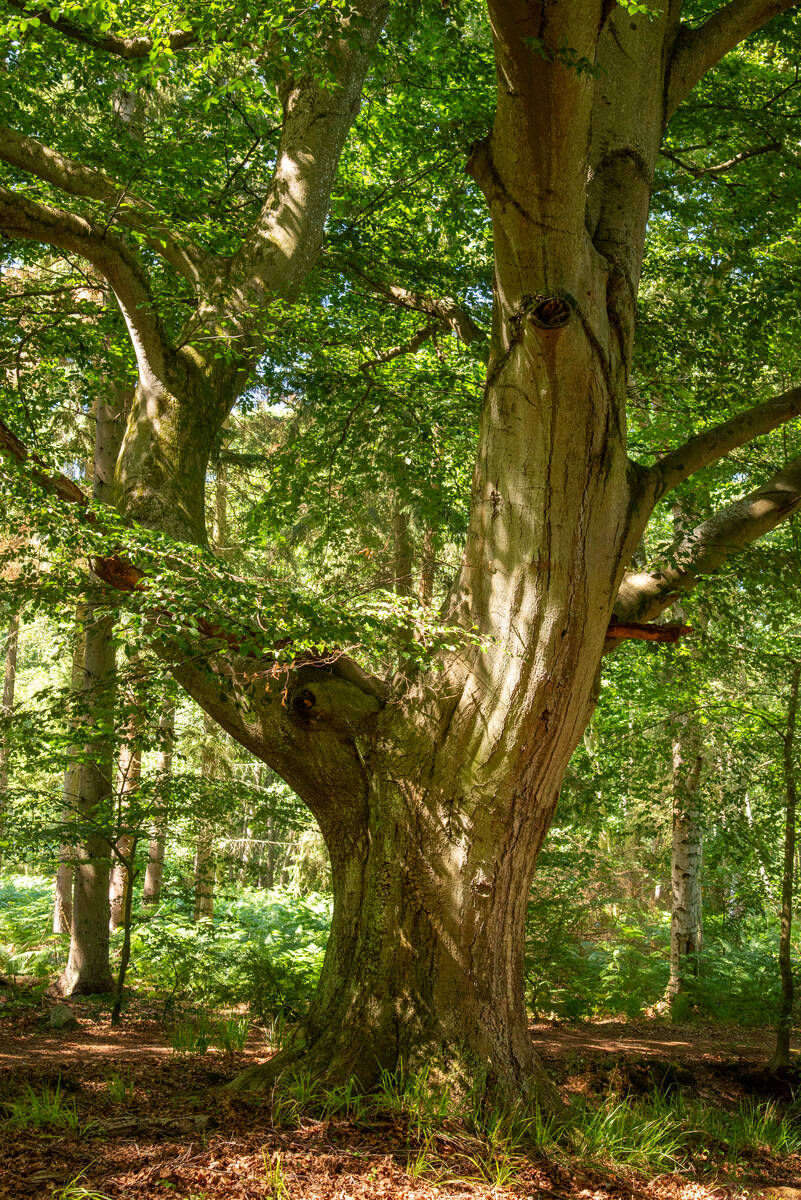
x,y
138,1121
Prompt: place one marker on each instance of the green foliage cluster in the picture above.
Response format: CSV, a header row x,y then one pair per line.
x,y
263,950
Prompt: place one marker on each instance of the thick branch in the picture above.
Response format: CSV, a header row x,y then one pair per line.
x,y
698,50
113,258
285,241
78,180
138,46
57,484
446,309
715,443
642,595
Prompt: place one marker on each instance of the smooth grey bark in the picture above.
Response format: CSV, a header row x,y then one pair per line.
x,y
784,1023
154,872
7,707
686,914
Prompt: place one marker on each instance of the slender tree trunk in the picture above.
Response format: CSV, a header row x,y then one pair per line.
x,y
125,956
9,683
129,774
154,872
686,852
784,1024
87,968
403,551
204,874
428,565
204,852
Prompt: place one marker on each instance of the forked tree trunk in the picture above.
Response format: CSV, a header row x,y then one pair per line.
x,y
434,804
784,1023
154,872
7,709
686,916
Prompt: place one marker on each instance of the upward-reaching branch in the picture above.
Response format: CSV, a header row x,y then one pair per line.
x,y
698,50
716,443
285,240
643,595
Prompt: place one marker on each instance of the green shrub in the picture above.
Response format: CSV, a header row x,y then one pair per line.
x,y
27,946
264,950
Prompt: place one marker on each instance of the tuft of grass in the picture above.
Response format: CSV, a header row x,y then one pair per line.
x,y
191,1037
661,1131
74,1190
639,1133
274,1176
294,1094
231,1034
120,1087
50,1110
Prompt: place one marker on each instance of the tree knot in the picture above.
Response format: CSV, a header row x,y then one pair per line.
x,y
550,312
303,700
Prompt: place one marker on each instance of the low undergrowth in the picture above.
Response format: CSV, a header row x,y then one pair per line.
x,y
659,1132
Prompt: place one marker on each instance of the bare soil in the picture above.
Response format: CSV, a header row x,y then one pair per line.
x,y
181,1136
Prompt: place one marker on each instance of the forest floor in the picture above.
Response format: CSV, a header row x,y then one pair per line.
x,y
174,1133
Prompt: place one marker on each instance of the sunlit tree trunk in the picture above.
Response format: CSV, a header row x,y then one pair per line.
x,y
784,1024
9,683
434,794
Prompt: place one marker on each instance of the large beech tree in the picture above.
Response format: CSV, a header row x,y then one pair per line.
x,y
433,789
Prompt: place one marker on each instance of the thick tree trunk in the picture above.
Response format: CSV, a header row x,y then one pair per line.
x,y
7,708
154,872
784,1024
65,876
424,959
87,968
434,799
686,851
